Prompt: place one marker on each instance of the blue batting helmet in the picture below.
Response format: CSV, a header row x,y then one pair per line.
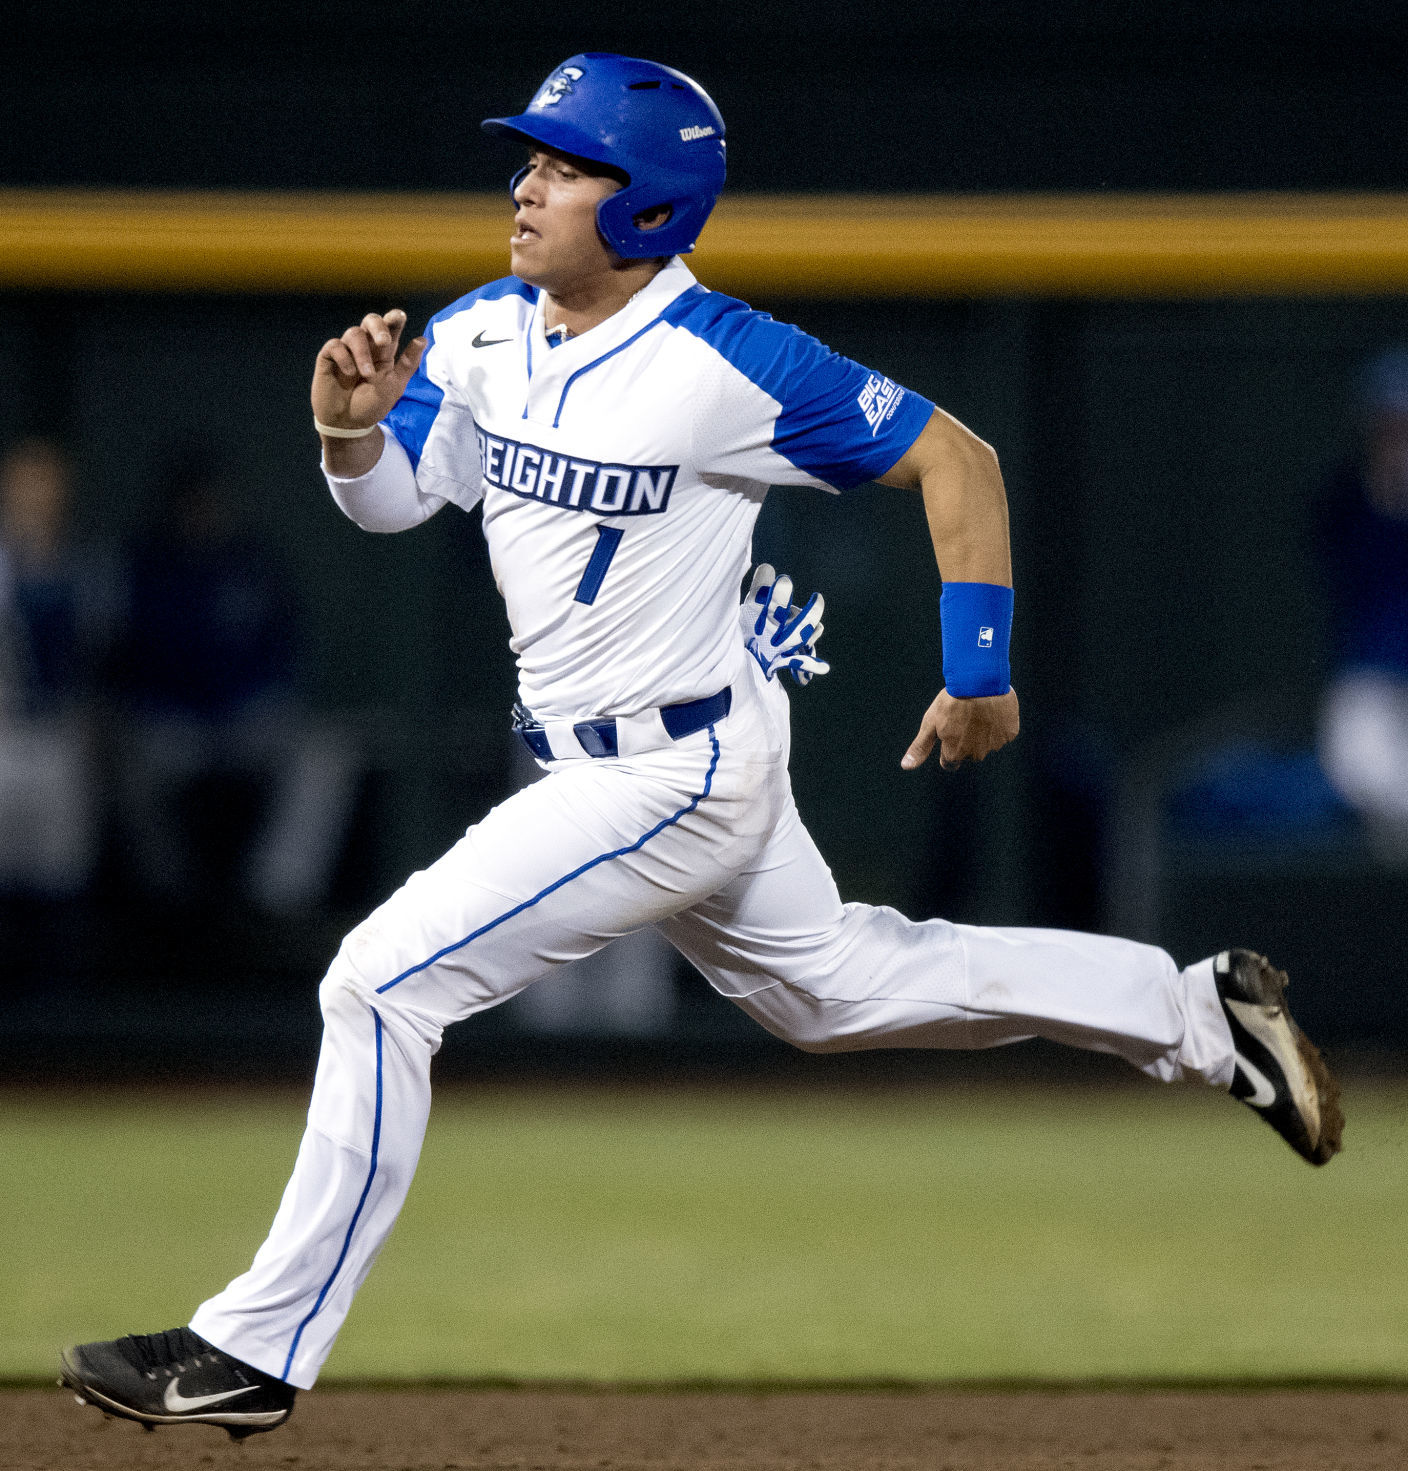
x,y
653,124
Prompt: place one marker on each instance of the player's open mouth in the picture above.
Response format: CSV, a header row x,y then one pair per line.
x,y
523,232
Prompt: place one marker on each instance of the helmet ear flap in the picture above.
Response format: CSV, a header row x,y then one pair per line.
x,y
616,223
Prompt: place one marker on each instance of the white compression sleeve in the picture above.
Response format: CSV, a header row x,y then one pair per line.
x,y
386,498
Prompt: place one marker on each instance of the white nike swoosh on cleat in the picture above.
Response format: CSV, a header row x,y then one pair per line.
x,y
1263,1095
1274,1032
174,1401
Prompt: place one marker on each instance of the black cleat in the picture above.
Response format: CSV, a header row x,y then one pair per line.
x,y
175,1378
1279,1073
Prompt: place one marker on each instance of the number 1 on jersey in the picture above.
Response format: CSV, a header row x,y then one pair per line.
x,y
608,538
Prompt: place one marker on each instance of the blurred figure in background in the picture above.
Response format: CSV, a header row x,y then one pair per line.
x,y
49,596
205,675
1363,545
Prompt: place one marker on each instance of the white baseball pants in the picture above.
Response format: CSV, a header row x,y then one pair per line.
x,y
703,840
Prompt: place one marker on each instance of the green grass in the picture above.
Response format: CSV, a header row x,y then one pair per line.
x,y
659,1235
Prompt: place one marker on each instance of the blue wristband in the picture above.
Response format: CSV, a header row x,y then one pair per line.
x,y
977,628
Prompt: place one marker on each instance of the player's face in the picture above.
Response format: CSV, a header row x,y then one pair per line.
x,y
555,244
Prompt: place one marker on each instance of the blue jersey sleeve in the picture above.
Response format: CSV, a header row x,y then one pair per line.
x,y
780,407
417,407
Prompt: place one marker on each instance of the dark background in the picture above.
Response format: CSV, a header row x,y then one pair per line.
x,y
818,94
1161,457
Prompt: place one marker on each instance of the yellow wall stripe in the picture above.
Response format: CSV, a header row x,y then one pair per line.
x,y
803,245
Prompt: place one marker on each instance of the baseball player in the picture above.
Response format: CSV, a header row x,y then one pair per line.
x,y
619,425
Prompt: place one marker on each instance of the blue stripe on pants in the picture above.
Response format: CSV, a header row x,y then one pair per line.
x,y
356,1215
553,887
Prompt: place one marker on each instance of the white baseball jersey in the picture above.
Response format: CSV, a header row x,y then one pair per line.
x,y
622,471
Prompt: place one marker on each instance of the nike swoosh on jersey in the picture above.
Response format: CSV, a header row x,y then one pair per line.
x,y
481,341
174,1401
1263,1094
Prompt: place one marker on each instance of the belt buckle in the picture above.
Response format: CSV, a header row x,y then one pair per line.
x,y
596,737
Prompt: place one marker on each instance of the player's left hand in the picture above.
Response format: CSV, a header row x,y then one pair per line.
x,y
780,635
964,730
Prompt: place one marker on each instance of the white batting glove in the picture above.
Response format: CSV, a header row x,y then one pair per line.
x,y
778,634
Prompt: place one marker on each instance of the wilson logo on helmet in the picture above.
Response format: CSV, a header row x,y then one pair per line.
x,y
559,86
688,135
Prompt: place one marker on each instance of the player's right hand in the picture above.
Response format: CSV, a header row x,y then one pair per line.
x,y
359,376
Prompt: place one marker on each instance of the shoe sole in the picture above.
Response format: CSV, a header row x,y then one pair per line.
x,y
1315,1095
239,1425
1331,1139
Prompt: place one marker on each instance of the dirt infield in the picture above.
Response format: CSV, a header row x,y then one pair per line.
x,y
561,1431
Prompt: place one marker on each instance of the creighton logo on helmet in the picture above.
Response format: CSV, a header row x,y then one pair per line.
x,y
558,86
